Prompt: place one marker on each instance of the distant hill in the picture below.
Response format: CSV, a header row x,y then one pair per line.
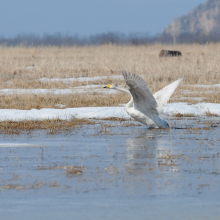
x,y
203,20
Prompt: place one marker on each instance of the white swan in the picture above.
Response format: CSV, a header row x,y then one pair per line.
x,y
143,106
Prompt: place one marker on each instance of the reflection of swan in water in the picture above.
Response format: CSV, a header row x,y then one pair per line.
x,y
143,163
143,106
143,152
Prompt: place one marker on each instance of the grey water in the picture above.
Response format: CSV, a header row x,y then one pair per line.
x,y
126,172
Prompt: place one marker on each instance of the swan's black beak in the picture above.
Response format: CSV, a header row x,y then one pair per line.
x,y
105,87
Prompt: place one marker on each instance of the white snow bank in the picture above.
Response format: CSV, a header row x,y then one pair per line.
x,y
198,99
79,79
20,145
60,106
197,109
73,90
181,108
101,112
206,86
63,114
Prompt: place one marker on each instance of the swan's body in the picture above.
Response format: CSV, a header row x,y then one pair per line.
x,y
143,106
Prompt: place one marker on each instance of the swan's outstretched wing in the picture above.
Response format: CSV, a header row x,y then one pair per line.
x,y
143,98
163,95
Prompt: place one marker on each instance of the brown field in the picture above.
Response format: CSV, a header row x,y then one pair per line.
x,y
21,67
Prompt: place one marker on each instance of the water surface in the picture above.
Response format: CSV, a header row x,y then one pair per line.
x,y
125,172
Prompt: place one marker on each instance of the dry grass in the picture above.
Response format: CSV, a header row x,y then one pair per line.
x,y
193,95
209,114
27,102
70,170
114,119
53,126
198,128
56,126
183,115
12,186
199,62
21,67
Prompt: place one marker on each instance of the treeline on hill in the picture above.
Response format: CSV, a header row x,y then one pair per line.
x,y
106,38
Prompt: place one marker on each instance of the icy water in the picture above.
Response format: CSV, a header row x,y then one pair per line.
x,y
122,172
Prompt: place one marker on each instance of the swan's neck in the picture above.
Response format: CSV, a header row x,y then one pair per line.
x,y
123,90
131,102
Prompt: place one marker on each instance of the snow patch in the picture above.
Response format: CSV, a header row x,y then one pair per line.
x,y
79,79
73,90
101,112
19,145
207,86
60,106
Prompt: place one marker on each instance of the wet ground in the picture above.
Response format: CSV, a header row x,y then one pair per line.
x,y
116,171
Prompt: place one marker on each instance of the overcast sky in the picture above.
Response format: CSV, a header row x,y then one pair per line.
x,y
88,17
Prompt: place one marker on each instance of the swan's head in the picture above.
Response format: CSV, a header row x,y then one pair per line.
x,y
111,86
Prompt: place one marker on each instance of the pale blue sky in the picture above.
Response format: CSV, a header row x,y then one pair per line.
x,y
86,17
